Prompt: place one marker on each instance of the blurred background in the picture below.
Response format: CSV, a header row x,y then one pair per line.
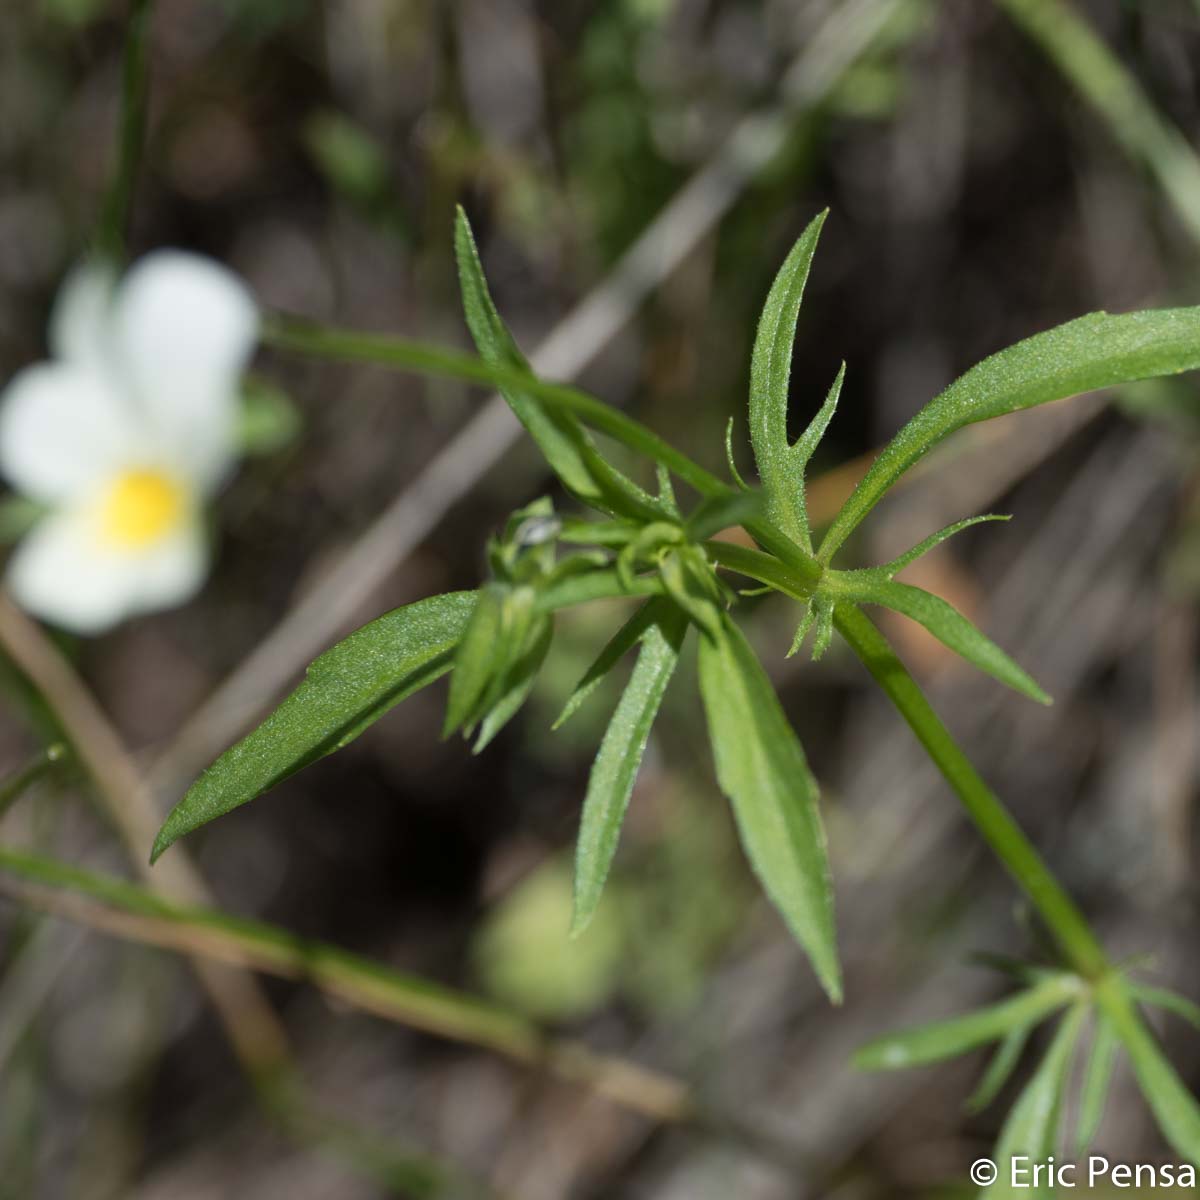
x,y
636,171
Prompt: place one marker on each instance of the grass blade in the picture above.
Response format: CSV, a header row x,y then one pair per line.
x,y
343,692
616,766
762,769
947,1039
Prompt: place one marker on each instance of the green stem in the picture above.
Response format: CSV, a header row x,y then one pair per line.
x,y
766,568
13,788
347,345
131,134
603,584
984,807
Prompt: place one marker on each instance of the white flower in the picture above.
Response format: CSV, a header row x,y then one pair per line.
x,y
123,435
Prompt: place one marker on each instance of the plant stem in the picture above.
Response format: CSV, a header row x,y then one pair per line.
x,y
128,911
346,345
130,136
1014,849
766,568
603,584
14,787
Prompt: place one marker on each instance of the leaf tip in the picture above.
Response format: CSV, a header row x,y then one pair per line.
x,y
579,923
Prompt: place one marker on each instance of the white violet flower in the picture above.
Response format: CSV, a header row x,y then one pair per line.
x,y
122,436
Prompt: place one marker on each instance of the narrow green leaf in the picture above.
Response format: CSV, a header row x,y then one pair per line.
x,y
1095,351
1102,1057
615,769
517,682
1031,1131
350,345
946,624
947,1039
934,539
762,769
597,533
666,490
770,370
1000,1069
823,634
716,513
615,649
483,653
690,582
1173,1002
343,692
807,443
806,623
16,785
730,461
1174,1107
560,437
1021,969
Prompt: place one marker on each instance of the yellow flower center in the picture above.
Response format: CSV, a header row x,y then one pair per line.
x,y
141,507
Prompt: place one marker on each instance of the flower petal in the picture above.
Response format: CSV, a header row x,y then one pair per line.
x,y
62,573
172,571
62,430
81,328
186,330
67,575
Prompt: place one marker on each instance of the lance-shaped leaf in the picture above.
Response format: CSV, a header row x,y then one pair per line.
x,y
517,682
343,692
934,539
810,439
762,769
1102,1057
490,643
947,1039
1000,1069
770,370
616,766
1174,1107
1173,1002
946,624
1095,351
614,650
562,440
1031,1131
